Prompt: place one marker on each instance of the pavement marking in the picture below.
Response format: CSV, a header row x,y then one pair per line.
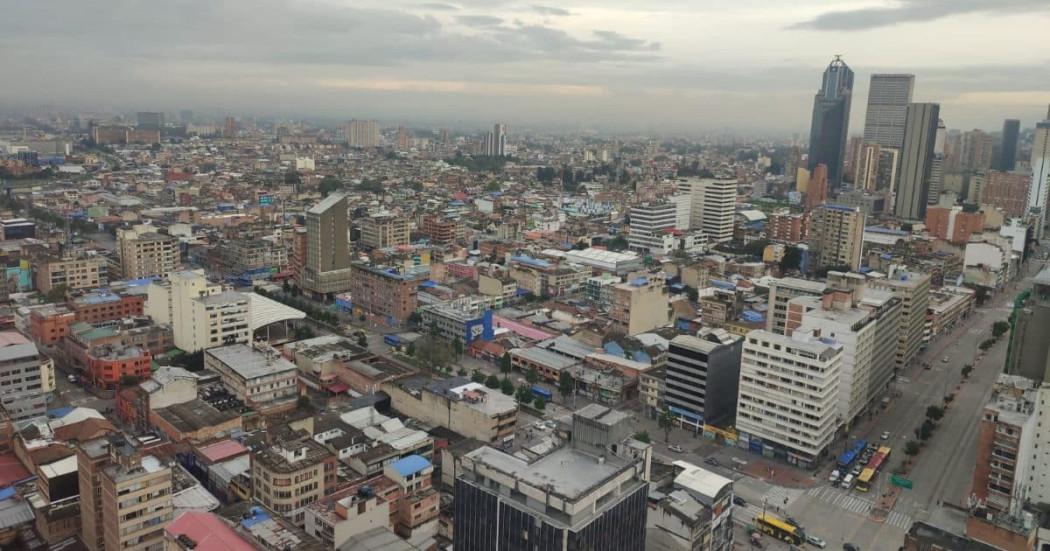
x,y
900,520
842,499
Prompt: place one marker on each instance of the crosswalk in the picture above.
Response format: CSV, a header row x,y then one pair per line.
x,y
844,499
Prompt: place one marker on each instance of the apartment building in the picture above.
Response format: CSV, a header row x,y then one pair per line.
x,y
144,252
326,266
257,375
953,224
781,291
640,305
102,306
384,230
837,237
459,405
1005,445
27,377
202,315
789,394
441,230
913,288
74,272
384,292
290,473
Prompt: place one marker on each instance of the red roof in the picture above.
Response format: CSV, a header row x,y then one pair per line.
x,y
338,388
222,450
208,531
11,470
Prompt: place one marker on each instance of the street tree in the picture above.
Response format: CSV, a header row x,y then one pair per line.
x,y
506,386
478,377
566,384
666,421
532,375
911,449
504,363
492,382
457,347
934,413
540,404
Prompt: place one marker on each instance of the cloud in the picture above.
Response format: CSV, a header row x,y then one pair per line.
x,y
913,11
437,6
550,10
479,20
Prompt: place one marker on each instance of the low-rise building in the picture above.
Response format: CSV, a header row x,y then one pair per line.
x,y
640,305
80,271
291,472
694,512
385,230
257,375
548,364
459,405
385,293
26,376
144,252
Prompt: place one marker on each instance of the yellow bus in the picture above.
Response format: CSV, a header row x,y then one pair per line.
x,y
771,525
880,458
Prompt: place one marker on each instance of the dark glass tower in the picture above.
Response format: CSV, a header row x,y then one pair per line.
x,y
1008,151
827,134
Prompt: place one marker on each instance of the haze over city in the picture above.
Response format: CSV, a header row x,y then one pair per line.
x,y
672,67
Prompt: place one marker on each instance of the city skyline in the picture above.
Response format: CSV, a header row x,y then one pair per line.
x,y
612,66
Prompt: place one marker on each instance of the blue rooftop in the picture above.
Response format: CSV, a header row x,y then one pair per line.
x,y
408,466
58,413
258,515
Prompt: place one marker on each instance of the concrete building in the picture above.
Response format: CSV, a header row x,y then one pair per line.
x,y
257,375
73,272
717,208
652,228
1039,191
817,189
640,305
837,237
549,365
327,268
363,133
459,405
1007,160
202,315
387,294
701,377
787,227
920,136
789,394
695,512
441,230
1005,445
949,305
913,288
590,494
126,494
605,260
977,148
144,252
385,230
1029,352
465,319
781,291
888,99
291,472
1007,191
26,375
952,224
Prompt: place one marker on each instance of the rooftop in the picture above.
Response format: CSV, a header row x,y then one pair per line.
x,y
545,357
249,362
194,415
567,472
410,465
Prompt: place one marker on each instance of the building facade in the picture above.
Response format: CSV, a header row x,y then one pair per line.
x,y
327,267
701,377
830,124
145,253
920,136
888,99
837,237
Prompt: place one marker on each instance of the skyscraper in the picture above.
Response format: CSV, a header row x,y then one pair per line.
x,y
920,136
1037,192
977,150
496,141
1008,150
148,120
362,133
827,133
936,184
327,267
888,99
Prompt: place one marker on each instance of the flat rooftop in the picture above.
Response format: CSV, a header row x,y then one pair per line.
x,y
571,473
250,363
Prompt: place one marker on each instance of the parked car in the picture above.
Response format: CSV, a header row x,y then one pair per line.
x,y
944,360
737,500
850,547
711,461
72,379
816,542
834,477
675,448
847,482
885,435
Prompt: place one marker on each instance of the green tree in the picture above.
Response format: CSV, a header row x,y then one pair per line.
x,y
986,344
302,402
329,184
666,421
286,287
523,394
911,448
532,376
506,386
493,186
505,363
642,436
462,372
304,332
478,377
999,328
566,384
617,243
292,177
934,413
492,381
414,319
791,260
966,370
457,347
362,340
925,430
411,349
56,294
539,403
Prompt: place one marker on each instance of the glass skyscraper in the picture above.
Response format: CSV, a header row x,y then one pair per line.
x,y
827,133
888,99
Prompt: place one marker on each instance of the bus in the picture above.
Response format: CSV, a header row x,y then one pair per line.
x,y
771,525
880,458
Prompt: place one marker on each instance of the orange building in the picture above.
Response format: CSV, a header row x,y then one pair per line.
x,y
50,324
440,230
817,190
99,307
107,366
788,227
1007,191
952,224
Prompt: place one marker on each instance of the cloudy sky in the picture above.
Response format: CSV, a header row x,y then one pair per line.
x,y
675,65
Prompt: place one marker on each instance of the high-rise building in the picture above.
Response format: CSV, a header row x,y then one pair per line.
x,y
866,167
1007,191
327,269
1029,348
1040,186
817,189
920,137
404,139
836,238
977,146
589,494
952,224
26,375
145,120
888,99
1005,446
496,141
384,230
1008,147
830,124
652,227
362,133
913,288
713,206
144,252
781,291
202,314
936,183
229,127
789,393
701,377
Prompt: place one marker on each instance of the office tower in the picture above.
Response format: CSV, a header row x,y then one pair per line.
x,y
853,150
445,136
913,288
781,291
920,137
588,494
327,268
1040,186
683,210
836,238
404,139
652,227
977,146
202,314
701,377
830,124
783,381
936,183
145,253
889,172
714,207
498,141
817,188
229,127
26,375
1008,149
149,120
888,99
362,133
866,167
1007,191
126,494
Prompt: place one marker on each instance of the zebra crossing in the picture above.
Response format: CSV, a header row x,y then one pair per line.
x,y
855,504
781,497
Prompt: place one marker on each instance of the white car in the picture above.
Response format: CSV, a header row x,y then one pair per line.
x,y
816,542
834,476
885,435
675,448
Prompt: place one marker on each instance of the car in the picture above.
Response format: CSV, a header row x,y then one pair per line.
x,y
944,360
72,379
816,542
737,500
834,476
675,448
885,435
551,425
711,461
793,522
847,482
850,547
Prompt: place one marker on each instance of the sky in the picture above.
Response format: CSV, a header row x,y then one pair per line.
x,y
666,66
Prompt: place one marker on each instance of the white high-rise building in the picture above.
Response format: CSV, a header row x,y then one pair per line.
x,y
202,315
362,133
713,206
1040,187
789,394
496,141
683,210
888,99
652,227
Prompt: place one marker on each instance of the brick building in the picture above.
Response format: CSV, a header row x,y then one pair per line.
x,y
1007,191
953,224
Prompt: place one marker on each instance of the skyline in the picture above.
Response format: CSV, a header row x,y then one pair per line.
x,y
676,68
